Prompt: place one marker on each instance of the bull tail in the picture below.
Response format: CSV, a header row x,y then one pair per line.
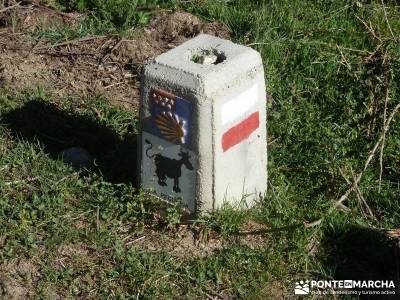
x,y
150,146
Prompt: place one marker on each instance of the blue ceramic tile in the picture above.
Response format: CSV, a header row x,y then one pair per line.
x,y
171,117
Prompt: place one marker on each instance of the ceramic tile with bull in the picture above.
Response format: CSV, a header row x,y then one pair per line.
x,y
169,170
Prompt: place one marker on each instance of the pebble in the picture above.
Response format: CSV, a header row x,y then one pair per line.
x,y
77,157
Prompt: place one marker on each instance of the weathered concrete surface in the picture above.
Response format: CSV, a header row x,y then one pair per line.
x,y
205,100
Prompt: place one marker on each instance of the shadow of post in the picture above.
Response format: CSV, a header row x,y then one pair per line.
x,y
57,129
359,253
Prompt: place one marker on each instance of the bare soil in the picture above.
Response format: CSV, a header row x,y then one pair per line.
x,y
90,66
17,278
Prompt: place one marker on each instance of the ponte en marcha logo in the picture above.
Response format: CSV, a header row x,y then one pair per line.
x,y
356,287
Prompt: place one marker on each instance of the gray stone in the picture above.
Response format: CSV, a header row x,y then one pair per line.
x,y
77,157
203,125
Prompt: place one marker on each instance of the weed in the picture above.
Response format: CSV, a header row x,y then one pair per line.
x,y
174,216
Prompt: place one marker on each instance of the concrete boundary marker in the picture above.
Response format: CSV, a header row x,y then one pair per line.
x,y
203,125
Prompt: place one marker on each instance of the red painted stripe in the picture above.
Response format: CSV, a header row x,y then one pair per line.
x,y
240,131
164,94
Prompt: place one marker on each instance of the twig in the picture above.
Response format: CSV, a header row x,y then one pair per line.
x,y
64,53
284,228
344,176
97,112
361,199
10,7
312,224
210,297
383,138
386,19
214,294
369,28
344,197
114,84
339,203
66,177
98,218
343,207
393,233
344,58
76,41
135,240
256,44
373,53
330,15
104,45
369,159
354,50
116,46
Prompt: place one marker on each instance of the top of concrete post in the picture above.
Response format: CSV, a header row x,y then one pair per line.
x,y
207,63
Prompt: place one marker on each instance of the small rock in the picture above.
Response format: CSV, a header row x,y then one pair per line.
x,y
208,59
77,157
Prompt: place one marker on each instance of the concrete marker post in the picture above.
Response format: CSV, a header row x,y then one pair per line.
x,y
203,125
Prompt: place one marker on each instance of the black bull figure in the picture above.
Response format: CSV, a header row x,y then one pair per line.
x,y
167,167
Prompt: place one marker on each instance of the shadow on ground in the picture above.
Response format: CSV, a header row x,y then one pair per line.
x,y
57,130
359,253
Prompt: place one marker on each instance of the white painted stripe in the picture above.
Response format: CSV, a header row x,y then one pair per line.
x,y
240,105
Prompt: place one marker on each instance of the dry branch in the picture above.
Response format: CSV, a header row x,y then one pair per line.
x,y
369,28
384,135
386,19
115,47
361,199
370,157
76,41
10,7
393,233
363,203
312,224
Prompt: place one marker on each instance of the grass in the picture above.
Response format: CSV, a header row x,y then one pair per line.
x,y
99,17
47,208
328,76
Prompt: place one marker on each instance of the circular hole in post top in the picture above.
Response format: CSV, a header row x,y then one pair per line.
x,y
207,57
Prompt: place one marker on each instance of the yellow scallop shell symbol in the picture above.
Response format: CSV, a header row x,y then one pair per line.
x,y
170,127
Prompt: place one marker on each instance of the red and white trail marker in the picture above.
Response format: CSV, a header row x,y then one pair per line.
x,y
241,131
242,116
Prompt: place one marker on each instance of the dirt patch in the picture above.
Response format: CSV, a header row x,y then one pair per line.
x,y
275,290
183,243
180,26
67,254
253,235
189,241
17,279
90,66
28,18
